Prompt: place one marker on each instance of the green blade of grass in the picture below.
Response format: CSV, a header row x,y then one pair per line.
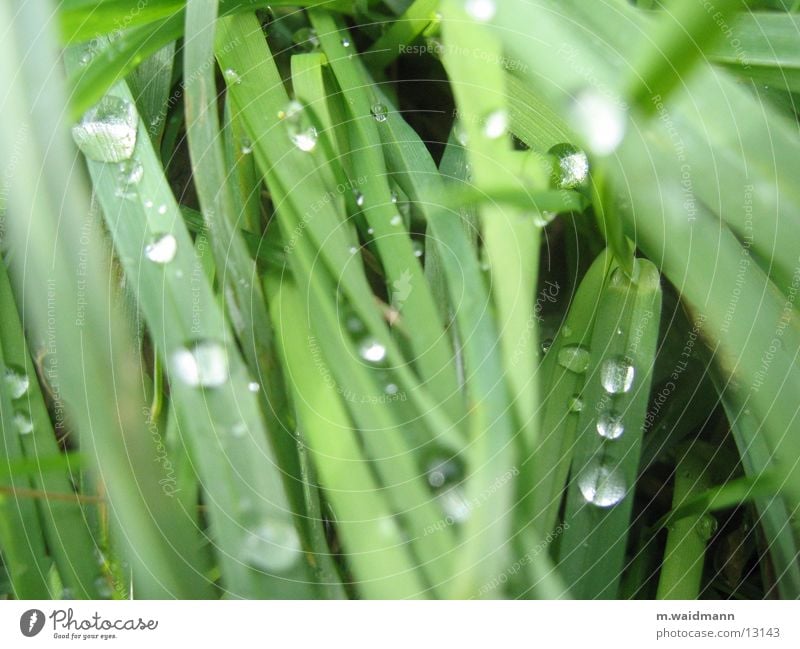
x,y
419,15
611,411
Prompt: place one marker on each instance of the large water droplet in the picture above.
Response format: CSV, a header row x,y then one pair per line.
x,y
107,132
481,10
575,358
16,381
372,351
301,131
609,425
161,249
496,124
203,364
573,166
272,547
616,375
379,112
599,120
602,485
23,423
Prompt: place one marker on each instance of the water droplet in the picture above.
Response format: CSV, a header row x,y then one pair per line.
x,y
162,209
396,220
370,230
247,146
566,331
161,249
599,120
103,588
706,527
354,324
418,247
301,132
443,471
391,389
460,133
372,351
575,358
394,197
148,204
481,10
239,429
496,124
602,485
273,546
616,375
253,386
86,57
546,344
379,112
609,425
232,76
541,219
455,504
131,172
352,250
575,403
359,198
573,166
23,423
107,132
203,364
306,38
345,42
17,382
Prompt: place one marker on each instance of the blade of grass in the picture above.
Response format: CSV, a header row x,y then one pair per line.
x,y
403,31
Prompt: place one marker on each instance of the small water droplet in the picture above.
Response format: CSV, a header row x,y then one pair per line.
x,y
232,76
575,403
85,58
306,38
23,423
575,358
345,42
131,172
616,375
372,351
239,429
247,146
16,381
161,249
706,527
359,197
455,504
354,324
544,218
391,389
379,112
602,485
600,121
609,425
273,546
481,10
202,364
253,386
546,344
301,132
443,471
352,250
396,220
370,230
107,132
148,204
418,247
496,124
103,588
162,209
572,166
566,331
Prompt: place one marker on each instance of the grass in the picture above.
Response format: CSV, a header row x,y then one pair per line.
x,y
321,307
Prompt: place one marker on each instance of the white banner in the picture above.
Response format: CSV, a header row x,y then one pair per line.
x,y
401,625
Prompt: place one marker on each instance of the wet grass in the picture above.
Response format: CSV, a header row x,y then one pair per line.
x,y
269,333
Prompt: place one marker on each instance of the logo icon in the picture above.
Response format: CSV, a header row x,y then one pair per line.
x,y
31,622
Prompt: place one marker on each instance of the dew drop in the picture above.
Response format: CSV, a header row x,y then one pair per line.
x,y
352,250
131,172
394,197
496,124
481,10
379,112
161,249
232,76
239,429
162,209
306,38
455,504
599,120
460,133
359,198
546,344
391,389
372,351
609,425
247,146
23,423
602,485
575,403
418,248
616,375
442,471
107,132
16,381
203,364
253,386
396,220
272,546
573,166
544,218
301,131
575,358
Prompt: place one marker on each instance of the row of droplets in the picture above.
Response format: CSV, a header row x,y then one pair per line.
x,y
17,384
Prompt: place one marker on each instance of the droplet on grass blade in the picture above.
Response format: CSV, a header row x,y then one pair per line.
x,y
372,351
359,198
16,382
616,375
161,249
573,166
575,358
496,124
107,131
601,485
575,403
272,547
379,112
202,364
609,425
232,76
23,423
301,131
